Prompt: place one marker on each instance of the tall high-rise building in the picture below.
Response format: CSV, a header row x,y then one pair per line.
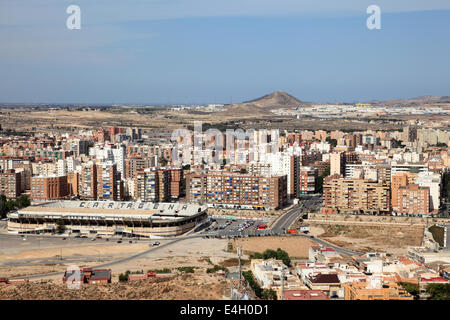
x,y
73,183
108,181
10,183
158,184
307,180
433,182
284,163
88,181
134,164
337,164
151,185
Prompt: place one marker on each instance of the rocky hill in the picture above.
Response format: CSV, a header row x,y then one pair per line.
x,y
267,103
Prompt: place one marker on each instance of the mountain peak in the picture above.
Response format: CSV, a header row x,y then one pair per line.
x,y
276,100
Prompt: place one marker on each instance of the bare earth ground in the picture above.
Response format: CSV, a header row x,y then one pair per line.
x,y
198,253
296,247
191,252
166,120
198,285
364,238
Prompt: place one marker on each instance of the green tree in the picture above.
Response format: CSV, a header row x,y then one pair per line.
x,y
60,226
248,276
123,277
412,288
438,291
319,181
283,256
269,294
23,202
11,205
243,171
333,142
272,254
3,207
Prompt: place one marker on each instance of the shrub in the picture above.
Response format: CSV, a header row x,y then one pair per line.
x,y
123,277
215,269
269,294
272,254
164,270
438,291
186,269
248,276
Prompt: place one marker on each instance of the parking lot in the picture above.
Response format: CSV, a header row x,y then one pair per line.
x,y
236,228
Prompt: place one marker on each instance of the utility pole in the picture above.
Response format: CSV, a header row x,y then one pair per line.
x,y
240,270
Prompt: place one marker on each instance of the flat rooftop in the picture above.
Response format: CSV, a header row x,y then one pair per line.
x,y
115,208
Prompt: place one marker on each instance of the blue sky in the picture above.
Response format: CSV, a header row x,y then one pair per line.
x,y
206,51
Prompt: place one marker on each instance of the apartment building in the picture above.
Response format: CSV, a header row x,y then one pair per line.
x,y
375,290
176,177
413,199
108,182
135,164
337,164
151,185
157,185
399,180
49,188
342,195
239,190
10,183
73,183
307,180
433,182
88,181
285,163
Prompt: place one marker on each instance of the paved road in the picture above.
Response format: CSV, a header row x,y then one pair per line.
x,y
287,219
152,249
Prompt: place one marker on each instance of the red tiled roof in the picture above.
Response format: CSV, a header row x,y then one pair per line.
x,y
325,278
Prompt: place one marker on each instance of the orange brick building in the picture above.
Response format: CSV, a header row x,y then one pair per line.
x,y
49,187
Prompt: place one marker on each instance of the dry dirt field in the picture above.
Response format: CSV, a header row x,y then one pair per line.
x,y
392,239
198,285
63,120
296,247
31,260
